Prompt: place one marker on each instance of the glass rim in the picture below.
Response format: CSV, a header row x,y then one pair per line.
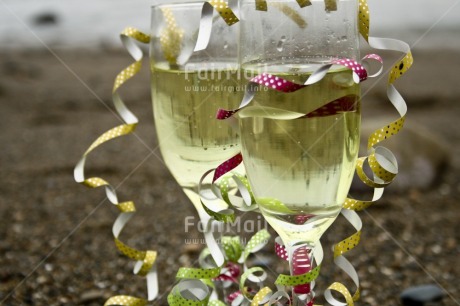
x,y
178,3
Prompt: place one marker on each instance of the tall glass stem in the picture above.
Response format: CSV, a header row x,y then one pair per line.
x,y
301,262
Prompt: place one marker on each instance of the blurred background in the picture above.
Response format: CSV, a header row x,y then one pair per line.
x,y
58,61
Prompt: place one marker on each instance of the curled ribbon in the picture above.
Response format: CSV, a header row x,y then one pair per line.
x,y
273,82
172,36
282,85
193,289
381,161
145,265
330,5
226,9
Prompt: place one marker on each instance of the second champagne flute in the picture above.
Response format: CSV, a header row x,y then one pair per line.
x,y
300,170
187,88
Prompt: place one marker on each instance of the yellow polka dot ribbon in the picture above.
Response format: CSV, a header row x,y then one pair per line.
x,y
261,296
226,10
303,3
176,50
363,19
291,14
250,274
331,5
261,5
381,161
125,300
145,265
171,36
222,7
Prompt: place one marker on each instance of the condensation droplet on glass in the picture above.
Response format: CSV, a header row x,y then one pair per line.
x,y
280,45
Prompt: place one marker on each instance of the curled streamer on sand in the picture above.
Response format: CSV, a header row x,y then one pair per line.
x,y
381,161
145,260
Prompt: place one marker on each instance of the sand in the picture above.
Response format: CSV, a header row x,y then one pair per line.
x,y
56,244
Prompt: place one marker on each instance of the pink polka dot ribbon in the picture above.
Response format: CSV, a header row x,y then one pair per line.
x,y
301,219
232,296
357,68
233,269
341,105
301,263
226,278
231,275
281,251
227,166
282,85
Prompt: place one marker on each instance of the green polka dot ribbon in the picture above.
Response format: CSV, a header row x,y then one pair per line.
x,y
246,201
177,300
273,205
295,280
232,248
189,295
224,190
196,273
190,292
226,215
199,276
257,242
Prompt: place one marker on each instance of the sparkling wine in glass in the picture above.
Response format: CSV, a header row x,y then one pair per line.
x,y
187,89
300,170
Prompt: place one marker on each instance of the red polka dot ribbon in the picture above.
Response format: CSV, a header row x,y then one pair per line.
x,y
227,166
232,296
282,85
301,263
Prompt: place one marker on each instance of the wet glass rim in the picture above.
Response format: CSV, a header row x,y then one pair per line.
x,y
176,4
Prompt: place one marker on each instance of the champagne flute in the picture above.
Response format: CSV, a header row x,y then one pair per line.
x,y
300,170
186,91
